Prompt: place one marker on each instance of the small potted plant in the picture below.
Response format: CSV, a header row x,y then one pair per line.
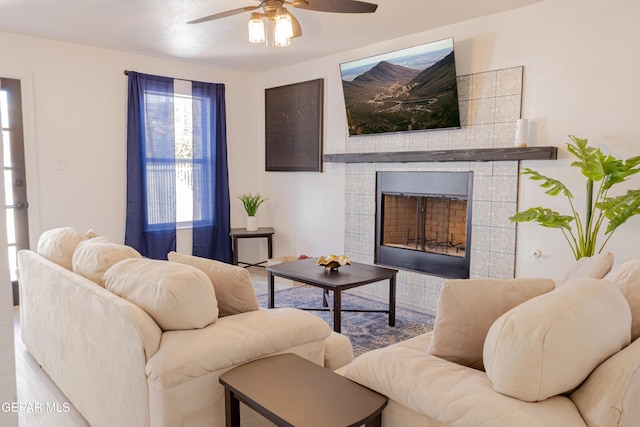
x,y
251,204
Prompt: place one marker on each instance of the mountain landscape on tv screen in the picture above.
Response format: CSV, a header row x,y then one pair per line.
x,y
395,98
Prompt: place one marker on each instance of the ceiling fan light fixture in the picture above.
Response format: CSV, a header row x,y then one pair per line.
x,y
283,22
256,29
281,41
282,28
284,25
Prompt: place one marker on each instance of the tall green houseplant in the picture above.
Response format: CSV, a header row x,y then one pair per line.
x,y
601,172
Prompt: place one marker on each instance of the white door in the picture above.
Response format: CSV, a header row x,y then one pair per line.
x,y
14,174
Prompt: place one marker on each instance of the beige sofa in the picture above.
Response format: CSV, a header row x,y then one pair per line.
x,y
518,352
138,342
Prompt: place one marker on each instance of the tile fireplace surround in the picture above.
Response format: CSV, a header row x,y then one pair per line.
x,y
489,108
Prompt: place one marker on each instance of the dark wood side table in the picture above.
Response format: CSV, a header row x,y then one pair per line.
x,y
242,233
346,277
291,391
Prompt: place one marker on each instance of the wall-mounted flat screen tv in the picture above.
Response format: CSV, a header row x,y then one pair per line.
x,y
405,90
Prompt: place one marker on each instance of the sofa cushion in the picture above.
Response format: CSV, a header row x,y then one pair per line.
x,y
551,343
467,309
176,296
58,244
448,394
232,341
233,286
93,257
626,276
595,267
338,351
610,396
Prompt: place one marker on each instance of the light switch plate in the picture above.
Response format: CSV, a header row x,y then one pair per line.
x,y
62,163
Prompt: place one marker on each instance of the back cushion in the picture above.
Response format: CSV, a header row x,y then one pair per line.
x,y
93,257
233,285
626,277
551,343
610,396
58,244
595,267
467,309
176,296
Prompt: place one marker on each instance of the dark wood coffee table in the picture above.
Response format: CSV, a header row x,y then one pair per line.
x,y
346,277
291,391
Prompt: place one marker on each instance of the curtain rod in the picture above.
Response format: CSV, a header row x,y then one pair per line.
x,y
126,73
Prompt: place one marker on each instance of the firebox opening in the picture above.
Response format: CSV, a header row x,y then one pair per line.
x,y
423,221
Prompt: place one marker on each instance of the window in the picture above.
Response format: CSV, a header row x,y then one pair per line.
x,y
15,185
166,168
183,122
8,183
177,166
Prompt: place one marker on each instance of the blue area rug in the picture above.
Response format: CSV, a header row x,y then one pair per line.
x,y
367,331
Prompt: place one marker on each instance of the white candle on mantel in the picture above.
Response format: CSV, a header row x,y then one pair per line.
x,y
522,133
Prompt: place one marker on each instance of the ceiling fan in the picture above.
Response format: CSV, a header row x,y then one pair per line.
x,y
285,25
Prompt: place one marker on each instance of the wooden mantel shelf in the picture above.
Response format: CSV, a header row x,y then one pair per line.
x,y
470,155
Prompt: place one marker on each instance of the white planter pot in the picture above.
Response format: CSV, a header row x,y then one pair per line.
x,y
252,223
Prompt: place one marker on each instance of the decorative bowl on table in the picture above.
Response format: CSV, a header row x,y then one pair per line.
x,y
333,262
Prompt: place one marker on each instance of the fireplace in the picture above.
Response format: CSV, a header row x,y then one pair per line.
x,y
423,222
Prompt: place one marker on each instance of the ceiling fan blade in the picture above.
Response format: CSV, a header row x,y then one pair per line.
x,y
295,25
224,14
337,6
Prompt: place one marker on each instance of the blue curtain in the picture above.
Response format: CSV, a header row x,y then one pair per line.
x,y
151,169
151,196
211,205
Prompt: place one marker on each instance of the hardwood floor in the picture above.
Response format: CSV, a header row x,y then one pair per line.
x,y
43,404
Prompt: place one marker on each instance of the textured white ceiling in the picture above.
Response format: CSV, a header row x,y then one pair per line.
x,y
159,27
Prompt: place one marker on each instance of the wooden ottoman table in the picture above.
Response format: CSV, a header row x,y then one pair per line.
x,y
291,391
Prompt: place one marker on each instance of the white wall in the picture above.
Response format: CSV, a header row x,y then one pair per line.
x,y
579,78
79,114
